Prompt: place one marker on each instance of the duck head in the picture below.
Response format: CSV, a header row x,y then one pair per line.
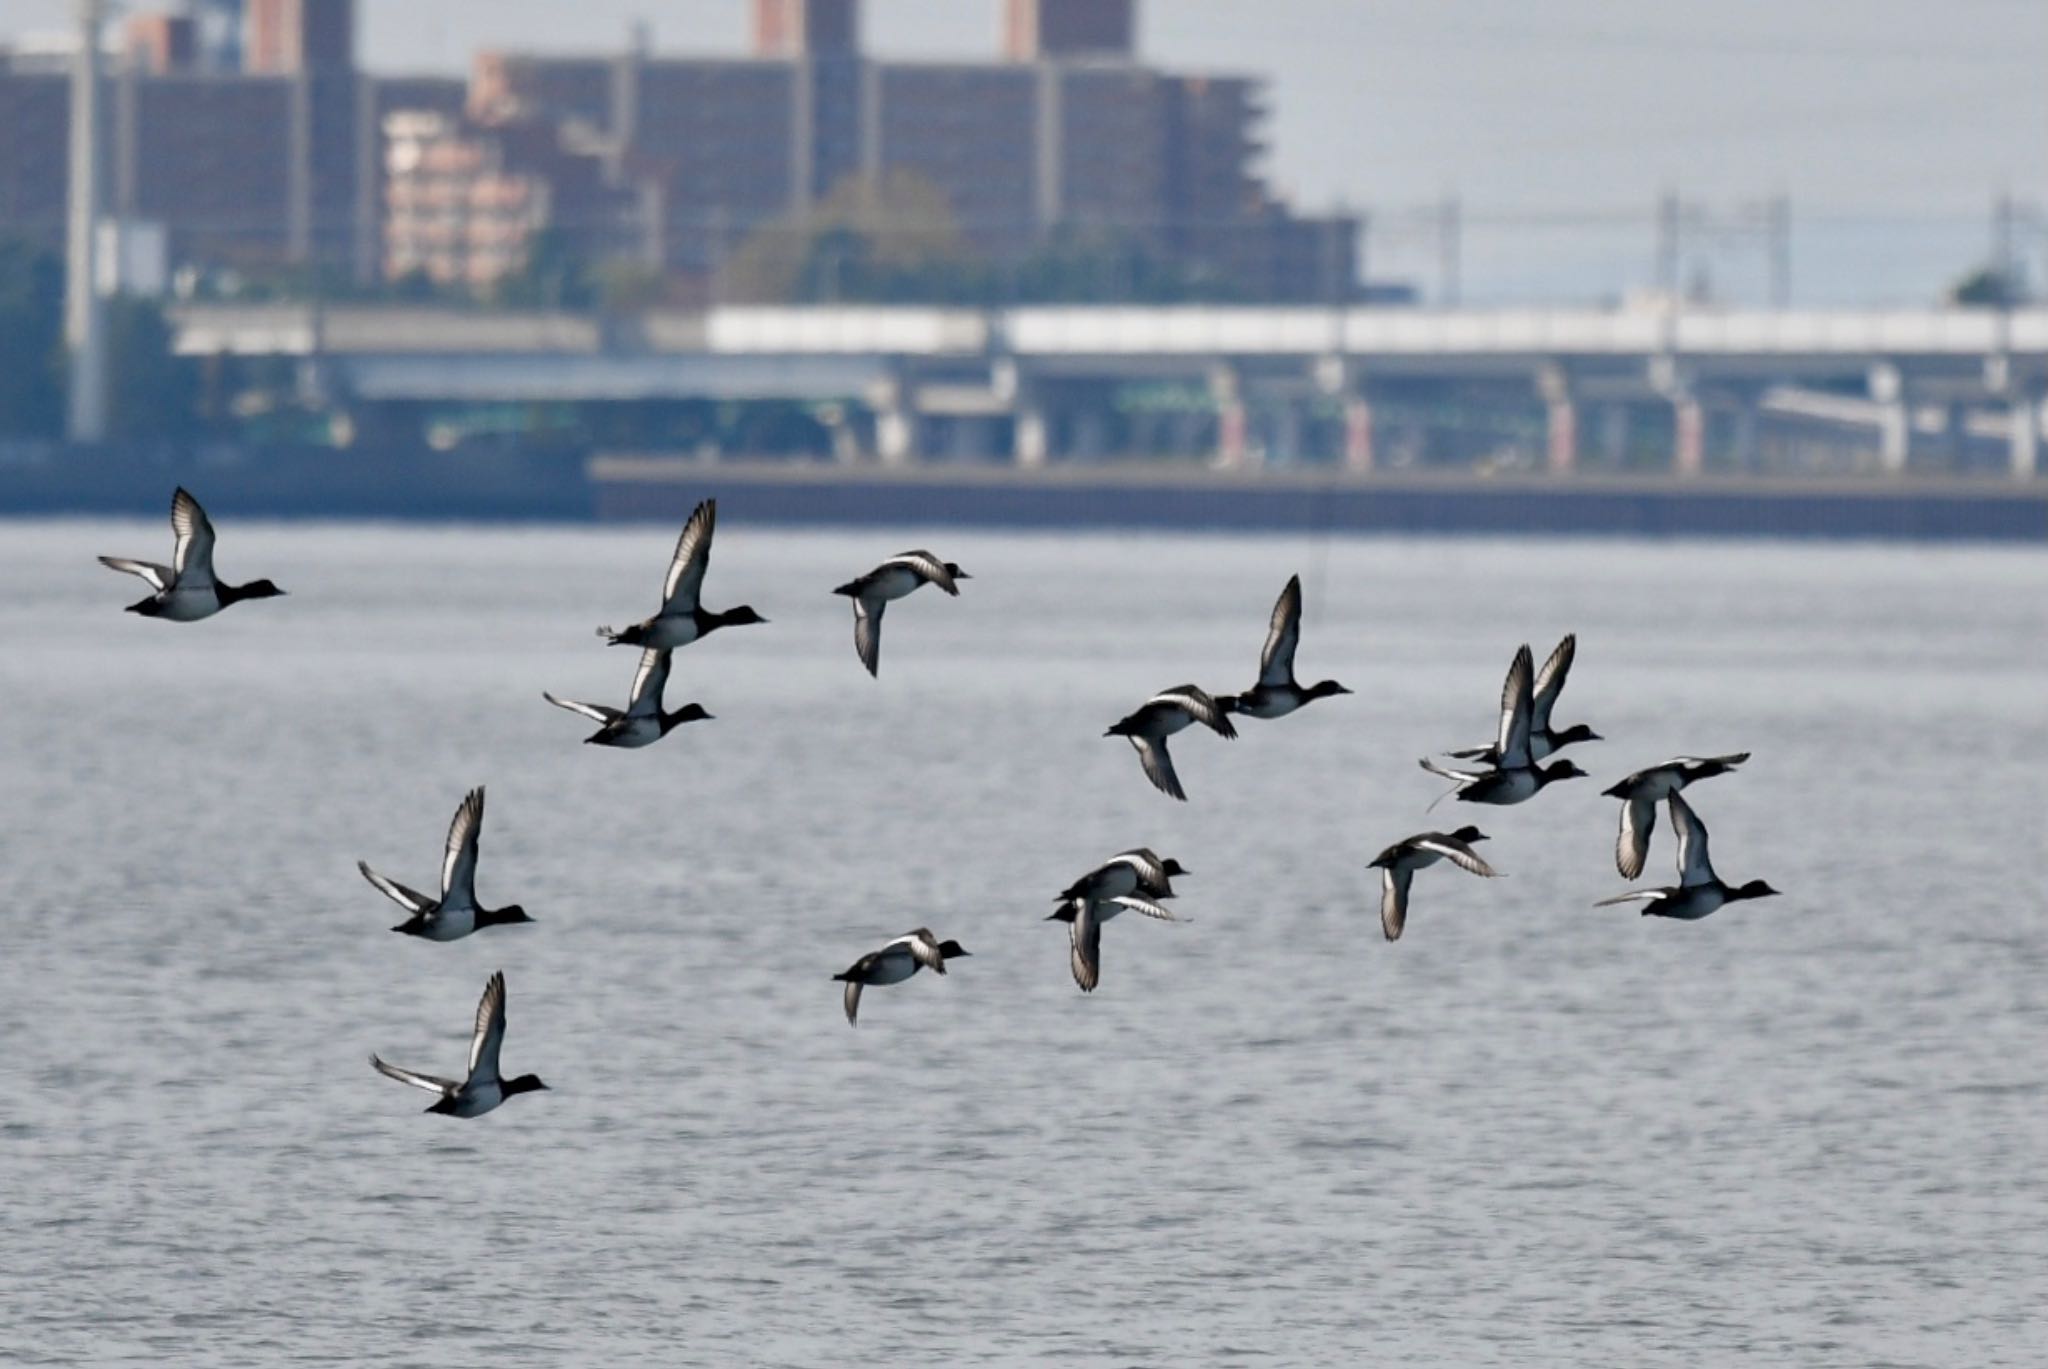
x,y
951,950
1174,867
1756,888
1323,689
743,616
503,917
255,589
525,1083
1561,770
956,572
1577,732
1468,835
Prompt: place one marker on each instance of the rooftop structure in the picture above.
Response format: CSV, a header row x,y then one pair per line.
x,y
1037,30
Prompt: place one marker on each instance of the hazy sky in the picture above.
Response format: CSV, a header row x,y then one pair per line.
x,y
1891,124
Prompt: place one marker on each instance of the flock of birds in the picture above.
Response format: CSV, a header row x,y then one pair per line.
x,y
1514,767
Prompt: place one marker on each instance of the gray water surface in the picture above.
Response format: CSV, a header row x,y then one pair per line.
x,y
1810,1128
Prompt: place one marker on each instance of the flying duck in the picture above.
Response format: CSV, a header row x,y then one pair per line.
x,y
644,722
1514,776
894,963
186,590
484,1088
1543,739
1276,694
1084,918
1162,715
456,913
1398,863
893,579
1128,872
682,620
1699,890
1639,794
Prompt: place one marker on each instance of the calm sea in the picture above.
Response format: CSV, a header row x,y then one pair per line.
x,y
1808,1130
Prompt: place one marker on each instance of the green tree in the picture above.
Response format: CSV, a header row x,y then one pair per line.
x,y
31,341
554,276
888,240
1077,265
1988,286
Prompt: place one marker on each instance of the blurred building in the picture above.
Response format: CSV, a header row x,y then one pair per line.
x,y
282,163
258,169
1034,30
794,28
161,43
1070,132
35,111
290,36
468,205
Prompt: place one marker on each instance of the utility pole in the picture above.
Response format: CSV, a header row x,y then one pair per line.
x,y
1668,245
86,416
2004,257
1450,247
1781,250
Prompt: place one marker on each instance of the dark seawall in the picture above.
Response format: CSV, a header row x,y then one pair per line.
x,y
1181,497
512,484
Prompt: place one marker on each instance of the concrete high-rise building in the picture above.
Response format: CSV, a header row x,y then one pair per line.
x,y
160,43
806,28
1079,135
254,172
291,36
35,177
1082,145
1035,30
466,204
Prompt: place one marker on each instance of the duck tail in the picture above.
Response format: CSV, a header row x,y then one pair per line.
x,y
632,636
851,588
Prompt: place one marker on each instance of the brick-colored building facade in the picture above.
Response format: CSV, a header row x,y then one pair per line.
x,y
677,161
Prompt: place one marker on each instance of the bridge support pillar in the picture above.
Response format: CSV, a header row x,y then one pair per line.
x,y
1031,445
1614,435
1287,432
1743,439
1895,419
1688,434
1337,377
896,436
1233,425
1955,436
896,424
1358,452
1560,419
2025,449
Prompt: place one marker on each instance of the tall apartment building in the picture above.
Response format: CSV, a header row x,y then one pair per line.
x,y
161,43
35,109
800,28
290,36
285,164
271,168
1070,131
1035,30
466,204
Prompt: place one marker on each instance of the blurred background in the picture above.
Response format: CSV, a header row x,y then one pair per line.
x,y
449,312
363,256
